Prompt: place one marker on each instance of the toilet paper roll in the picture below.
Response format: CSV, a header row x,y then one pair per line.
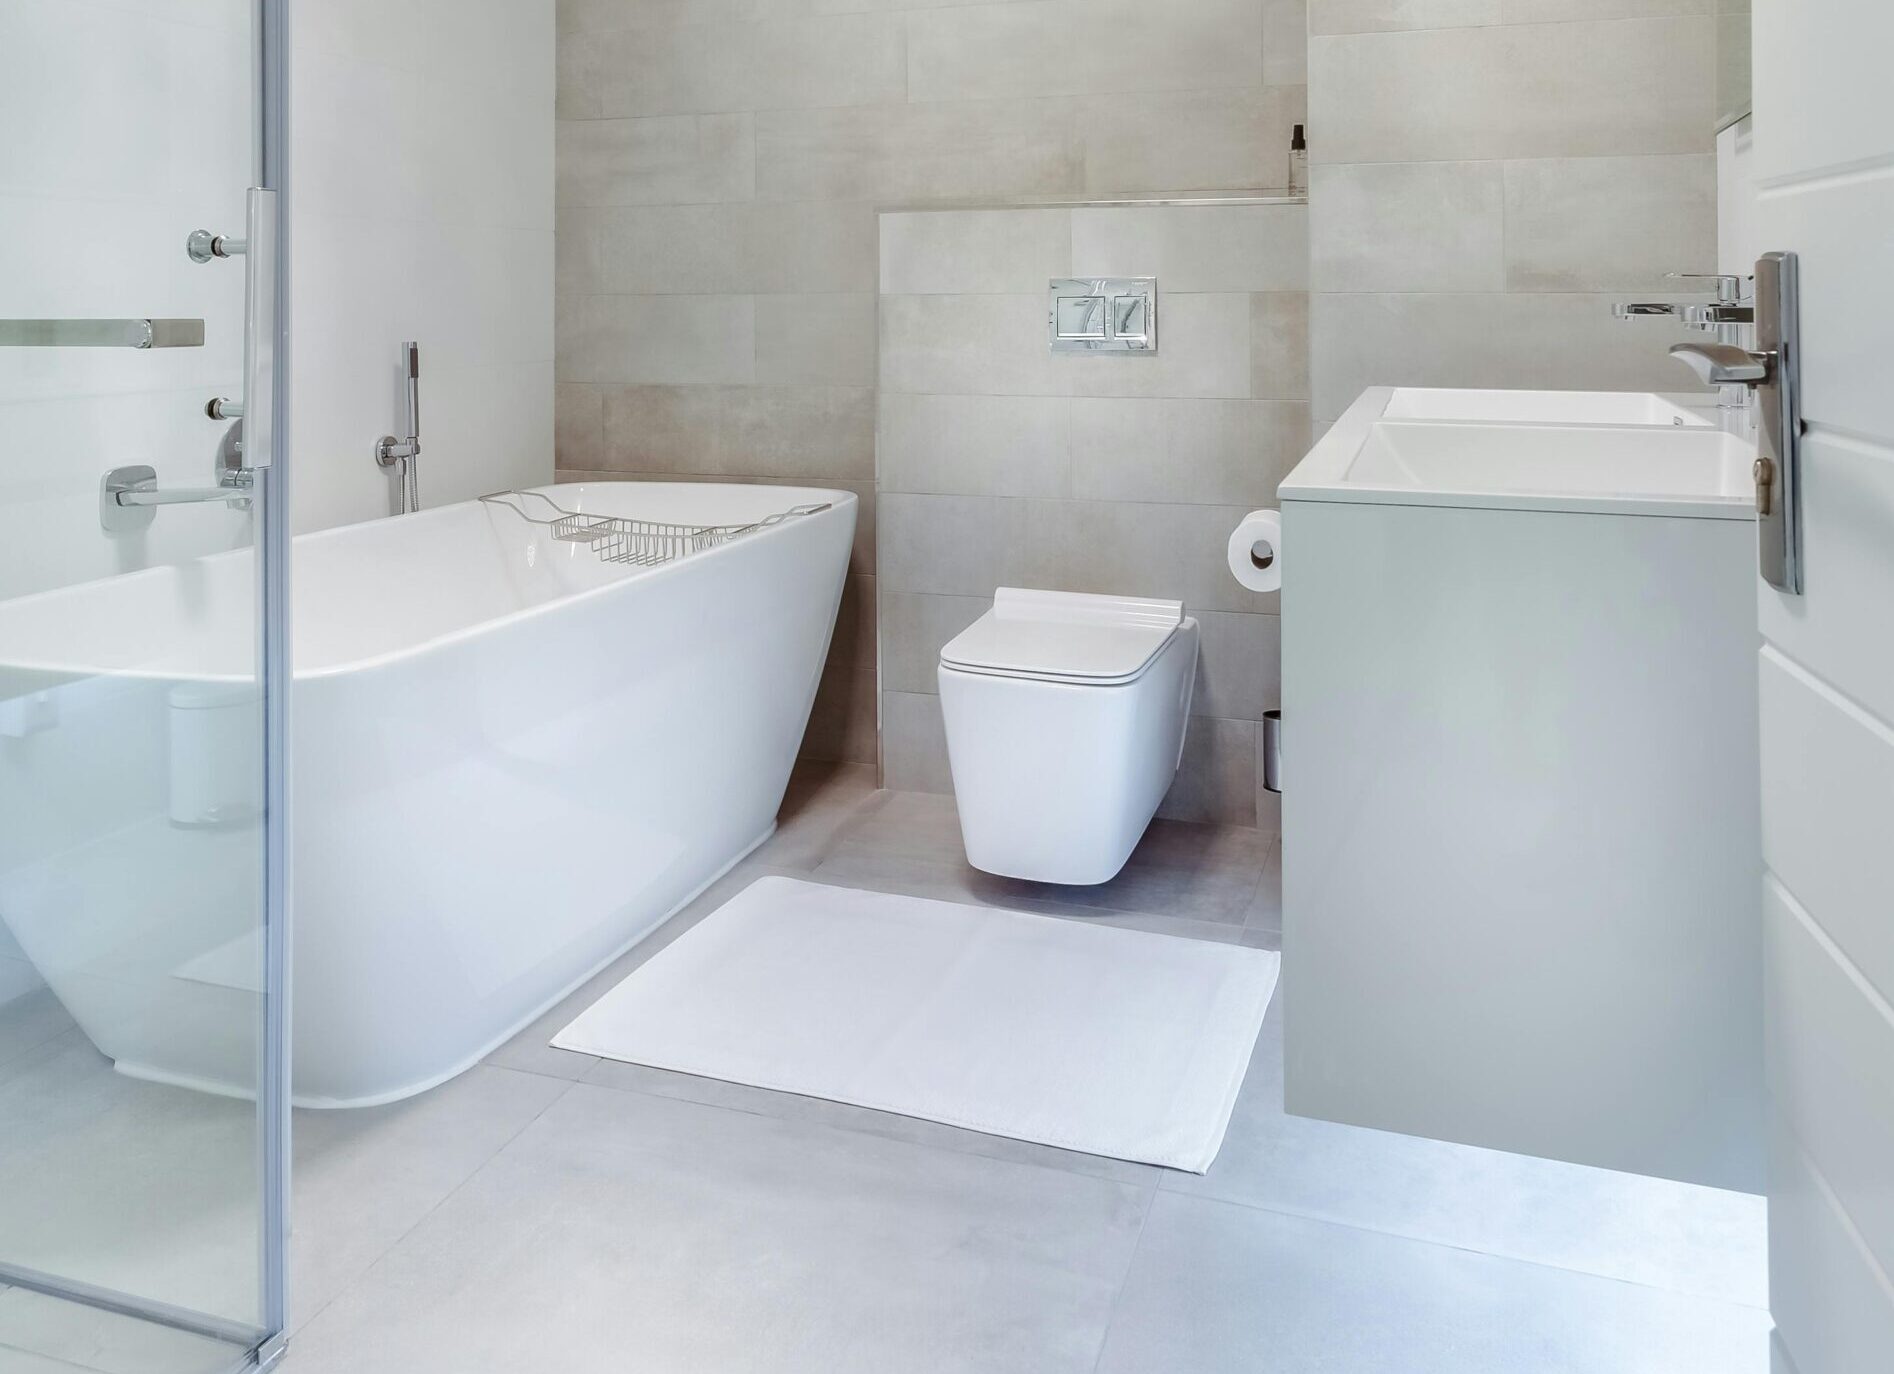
x,y
1256,551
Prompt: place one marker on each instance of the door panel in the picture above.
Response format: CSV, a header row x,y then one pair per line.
x,y
1824,165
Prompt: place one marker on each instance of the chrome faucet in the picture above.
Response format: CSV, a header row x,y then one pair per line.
x,y
1727,317
129,496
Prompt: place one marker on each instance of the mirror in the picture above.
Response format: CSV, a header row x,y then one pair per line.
x,y
1732,62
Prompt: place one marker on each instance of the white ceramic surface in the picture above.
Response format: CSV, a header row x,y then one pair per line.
x,y
512,762
1545,407
1601,468
1057,779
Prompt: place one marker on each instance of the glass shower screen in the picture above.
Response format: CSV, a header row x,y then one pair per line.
x,y
143,634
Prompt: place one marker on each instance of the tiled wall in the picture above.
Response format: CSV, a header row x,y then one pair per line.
x,y
720,167
1001,464
1490,175
422,209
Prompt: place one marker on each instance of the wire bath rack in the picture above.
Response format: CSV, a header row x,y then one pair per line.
x,y
635,543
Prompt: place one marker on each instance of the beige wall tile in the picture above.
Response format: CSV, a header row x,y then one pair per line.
x,y
974,251
914,744
806,433
1387,16
914,628
1076,47
1216,782
1555,11
1279,346
1239,669
1565,341
1196,248
1208,452
656,339
968,345
895,153
676,160
974,445
578,438
1189,140
845,721
1285,42
816,340
1609,224
1624,87
955,545
1203,350
1127,549
811,246
1409,226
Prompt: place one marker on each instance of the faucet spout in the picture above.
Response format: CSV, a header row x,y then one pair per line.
x,y
1721,364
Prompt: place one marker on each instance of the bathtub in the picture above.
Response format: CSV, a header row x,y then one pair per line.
x,y
512,762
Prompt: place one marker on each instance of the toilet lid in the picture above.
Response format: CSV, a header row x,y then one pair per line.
x,y
1065,636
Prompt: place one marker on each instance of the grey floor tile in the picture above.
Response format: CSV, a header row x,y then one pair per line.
x,y
29,1019
1201,873
46,1335
1675,1236
822,801
365,1177
531,1050
1223,1289
628,1231
1265,909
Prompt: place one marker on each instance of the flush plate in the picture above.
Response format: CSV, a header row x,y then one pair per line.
x,y
1103,315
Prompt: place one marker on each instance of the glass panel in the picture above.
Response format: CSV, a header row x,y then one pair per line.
x,y
133,1162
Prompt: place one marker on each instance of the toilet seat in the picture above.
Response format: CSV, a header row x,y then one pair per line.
x,y
1069,637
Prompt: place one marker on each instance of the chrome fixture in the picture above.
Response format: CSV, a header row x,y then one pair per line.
x,y
405,454
1103,315
128,496
1733,311
1772,371
101,333
203,245
1734,306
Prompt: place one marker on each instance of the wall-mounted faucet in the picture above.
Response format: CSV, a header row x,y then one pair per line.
x,y
128,496
405,454
1727,317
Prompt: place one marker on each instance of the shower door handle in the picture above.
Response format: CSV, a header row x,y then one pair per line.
x,y
259,330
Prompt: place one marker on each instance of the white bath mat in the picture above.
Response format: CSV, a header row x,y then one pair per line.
x,y
1111,1042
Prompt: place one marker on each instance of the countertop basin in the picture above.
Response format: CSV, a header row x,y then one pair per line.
x,y
1629,469
1545,407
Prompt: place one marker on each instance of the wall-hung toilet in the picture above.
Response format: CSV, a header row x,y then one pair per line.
x,y
1065,724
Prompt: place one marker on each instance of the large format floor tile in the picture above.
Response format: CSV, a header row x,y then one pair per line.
x,y
628,1231
1676,1236
1223,1289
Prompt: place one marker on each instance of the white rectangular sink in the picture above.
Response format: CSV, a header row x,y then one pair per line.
x,y
1690,470
1543,407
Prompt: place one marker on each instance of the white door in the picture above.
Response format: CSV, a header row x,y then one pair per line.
x,y
1824,163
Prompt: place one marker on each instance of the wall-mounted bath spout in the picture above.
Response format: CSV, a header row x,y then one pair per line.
x,y
405,454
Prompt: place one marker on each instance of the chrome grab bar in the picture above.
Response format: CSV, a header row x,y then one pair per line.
x,y
101,333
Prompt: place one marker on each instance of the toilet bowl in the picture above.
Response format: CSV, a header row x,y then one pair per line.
x,y
1065,720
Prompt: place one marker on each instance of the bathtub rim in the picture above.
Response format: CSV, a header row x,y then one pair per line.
x,y
838,499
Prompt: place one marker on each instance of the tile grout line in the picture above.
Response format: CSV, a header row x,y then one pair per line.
x,y
1409,1239
1124,1279
387,1250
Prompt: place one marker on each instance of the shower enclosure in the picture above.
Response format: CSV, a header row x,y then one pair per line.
x,y
142,769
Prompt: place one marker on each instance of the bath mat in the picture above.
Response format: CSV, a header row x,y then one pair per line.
x,y
1110,1042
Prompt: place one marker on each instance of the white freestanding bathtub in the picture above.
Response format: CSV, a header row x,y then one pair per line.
x,y
512,761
